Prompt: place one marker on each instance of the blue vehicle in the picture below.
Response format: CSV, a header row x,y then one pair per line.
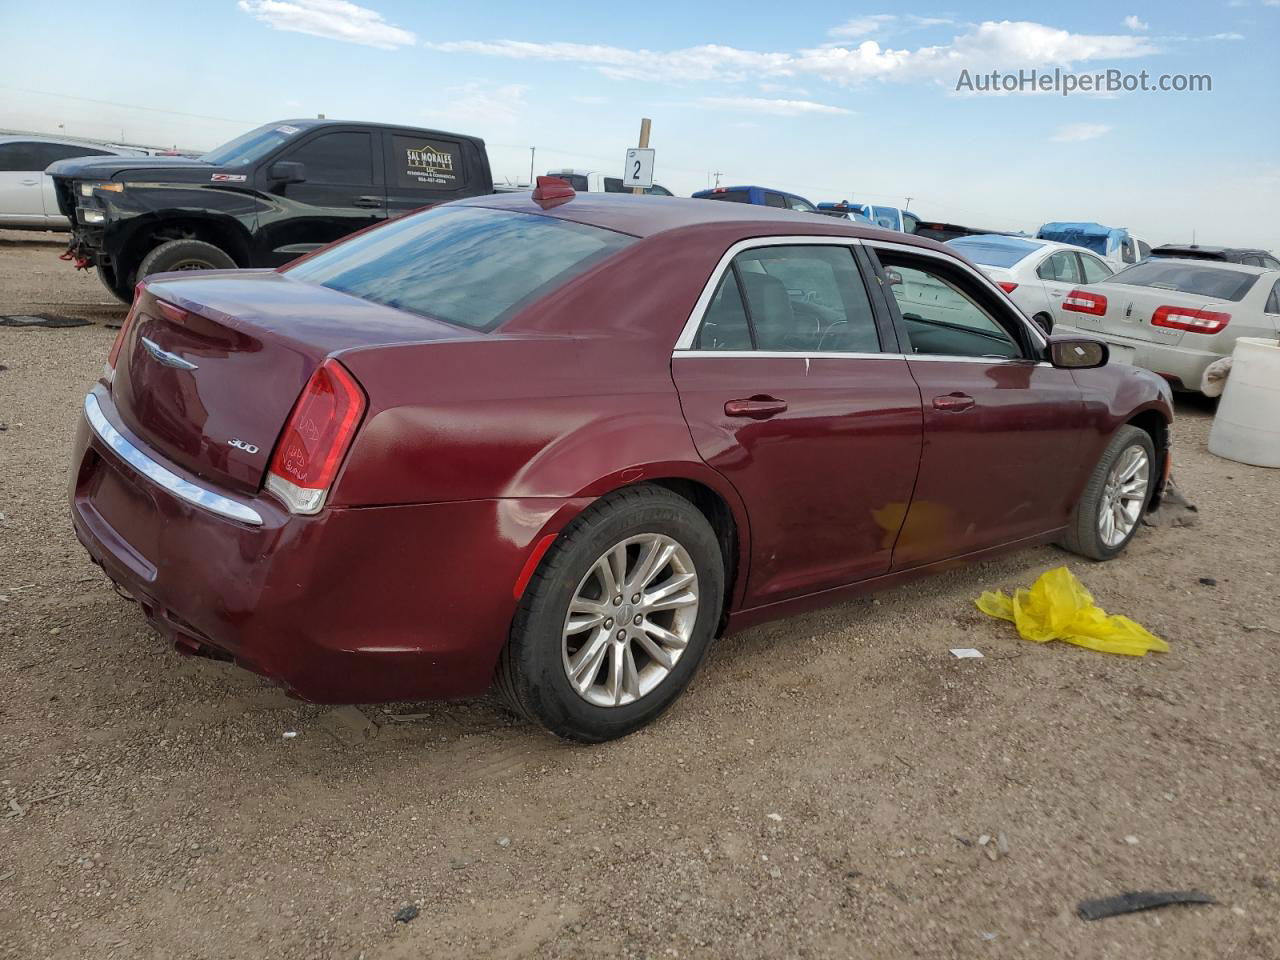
x,y
761,196
1114,244
844,211
891,218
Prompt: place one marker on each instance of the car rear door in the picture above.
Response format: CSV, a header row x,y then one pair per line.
x,y
1002,429
795,391
423,170
343,192
1060,273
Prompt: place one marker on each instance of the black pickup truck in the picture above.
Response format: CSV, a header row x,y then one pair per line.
x,y
261,200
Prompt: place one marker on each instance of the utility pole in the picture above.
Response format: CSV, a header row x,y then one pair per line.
x,y
718,175
532,152
908,206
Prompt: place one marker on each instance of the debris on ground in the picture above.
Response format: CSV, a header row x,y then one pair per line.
x,y
504,842
1208,581
1175,509
289,734
966,653
1058,607
405,913
348,725
1137,900
41,320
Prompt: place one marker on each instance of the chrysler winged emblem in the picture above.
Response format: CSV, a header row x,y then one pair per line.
x,y
167,358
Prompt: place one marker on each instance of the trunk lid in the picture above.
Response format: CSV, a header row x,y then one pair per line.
x,y
211,365
1130,309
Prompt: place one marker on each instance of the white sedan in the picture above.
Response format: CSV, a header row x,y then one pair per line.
x,y
1175,317
1036,274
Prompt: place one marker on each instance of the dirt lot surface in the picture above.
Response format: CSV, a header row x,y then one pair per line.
x,y
819,792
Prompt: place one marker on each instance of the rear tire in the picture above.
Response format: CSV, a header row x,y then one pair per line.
x,y
564,678
1044,322
184,255
1112,489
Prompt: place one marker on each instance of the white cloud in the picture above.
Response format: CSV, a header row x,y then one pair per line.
x,y
333,19
861,26
476,107
1078,132
1227,36
1133,23
1005,45
590,100
783,108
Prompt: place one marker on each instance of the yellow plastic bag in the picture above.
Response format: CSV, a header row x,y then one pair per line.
x,y
1058,607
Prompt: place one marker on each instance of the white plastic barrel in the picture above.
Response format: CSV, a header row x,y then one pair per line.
x,y
1247,425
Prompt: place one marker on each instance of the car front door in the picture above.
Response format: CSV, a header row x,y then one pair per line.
x,y
343,191
795,391
1002,429
1060,273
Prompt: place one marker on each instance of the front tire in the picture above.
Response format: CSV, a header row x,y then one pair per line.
x,y
184,255
121,291
617,618
1115,498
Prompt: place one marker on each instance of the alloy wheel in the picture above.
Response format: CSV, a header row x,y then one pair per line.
x,y
630,620
1124,495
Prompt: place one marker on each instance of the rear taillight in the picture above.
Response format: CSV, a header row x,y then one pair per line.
x,y
1007,286
316,438
1082,301
109,371
1190,319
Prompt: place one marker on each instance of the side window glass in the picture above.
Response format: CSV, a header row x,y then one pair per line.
x,y
724,326
807,299
658,191
1271,263
1144,250
337,158
18,157
1126,252
942,319
47,153
1273,301
1095,271
775,200
795,203
1062,267
612,184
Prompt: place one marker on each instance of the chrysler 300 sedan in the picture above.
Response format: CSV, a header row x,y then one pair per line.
x,y
554,444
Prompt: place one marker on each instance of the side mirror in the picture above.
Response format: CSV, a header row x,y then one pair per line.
x,y
287,171
893,277
1078,354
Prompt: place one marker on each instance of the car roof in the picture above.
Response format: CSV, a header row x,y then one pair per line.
x,y
1197,248
647,216
67,141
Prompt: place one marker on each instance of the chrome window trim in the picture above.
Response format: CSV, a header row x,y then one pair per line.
x,y
982,278
162,476
690,331
784,355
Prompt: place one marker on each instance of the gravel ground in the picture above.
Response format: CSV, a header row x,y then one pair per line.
x,y
819,792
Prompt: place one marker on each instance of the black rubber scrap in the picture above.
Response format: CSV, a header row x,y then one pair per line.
x,y
1137,900
405,914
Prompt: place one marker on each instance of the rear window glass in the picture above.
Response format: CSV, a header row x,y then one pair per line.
x,y
1201,281
466,266
994,253
733,196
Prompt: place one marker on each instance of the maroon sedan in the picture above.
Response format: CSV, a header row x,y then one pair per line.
x,y
555,444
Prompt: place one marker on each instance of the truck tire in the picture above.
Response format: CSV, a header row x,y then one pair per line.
x,y
122,292
184,255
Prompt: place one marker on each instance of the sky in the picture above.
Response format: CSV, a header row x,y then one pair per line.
x,y
829,100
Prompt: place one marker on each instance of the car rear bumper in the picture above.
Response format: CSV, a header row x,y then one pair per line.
x,y
1182,363
354,605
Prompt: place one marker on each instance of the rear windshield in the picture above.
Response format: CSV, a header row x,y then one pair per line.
x,y
994,253
464,265
733,196
1202,281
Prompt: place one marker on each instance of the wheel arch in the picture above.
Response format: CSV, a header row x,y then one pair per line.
x,y
1153,422
222,231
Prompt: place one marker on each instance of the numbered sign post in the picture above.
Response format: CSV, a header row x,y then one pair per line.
x,y
638,170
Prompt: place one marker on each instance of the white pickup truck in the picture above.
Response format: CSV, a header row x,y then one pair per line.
x,y
592,181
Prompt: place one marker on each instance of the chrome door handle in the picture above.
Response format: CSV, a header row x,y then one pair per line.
x,y
30,183
367,202
756,408
954,402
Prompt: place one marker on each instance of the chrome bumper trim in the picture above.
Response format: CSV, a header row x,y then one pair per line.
x,y
183,489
